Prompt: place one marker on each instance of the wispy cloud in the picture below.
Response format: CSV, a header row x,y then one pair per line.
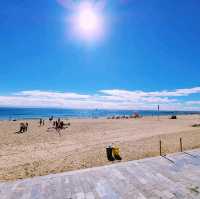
x,y
45,94
165,93
193,102
105,99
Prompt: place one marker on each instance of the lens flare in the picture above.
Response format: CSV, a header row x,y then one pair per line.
x,y
87,22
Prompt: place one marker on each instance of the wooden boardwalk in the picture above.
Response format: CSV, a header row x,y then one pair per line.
x,y
151,178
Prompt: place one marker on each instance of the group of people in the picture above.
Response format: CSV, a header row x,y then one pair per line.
x,y
58,125
135,115
23,127
41,122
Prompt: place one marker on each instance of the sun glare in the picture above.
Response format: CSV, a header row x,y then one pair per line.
x,y
87,22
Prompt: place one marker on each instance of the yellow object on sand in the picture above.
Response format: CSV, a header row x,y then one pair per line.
x,y
115,150
116,153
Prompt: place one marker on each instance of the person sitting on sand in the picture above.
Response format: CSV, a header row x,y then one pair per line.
x,y
22,128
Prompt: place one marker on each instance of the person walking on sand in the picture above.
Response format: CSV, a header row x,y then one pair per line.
x,y
43,122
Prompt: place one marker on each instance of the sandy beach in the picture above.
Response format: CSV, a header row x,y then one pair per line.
x,y
42,151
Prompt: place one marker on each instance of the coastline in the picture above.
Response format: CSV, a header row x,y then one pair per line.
x,y
45,113
42,151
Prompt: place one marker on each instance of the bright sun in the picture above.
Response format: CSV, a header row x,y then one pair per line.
x,y
87,22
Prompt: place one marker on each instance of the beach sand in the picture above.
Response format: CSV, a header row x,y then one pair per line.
x,y
42,151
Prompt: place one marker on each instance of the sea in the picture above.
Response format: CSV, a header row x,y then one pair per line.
x,y
36,113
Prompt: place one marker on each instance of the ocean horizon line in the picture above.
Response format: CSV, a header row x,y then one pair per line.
x,y
12,113
104,109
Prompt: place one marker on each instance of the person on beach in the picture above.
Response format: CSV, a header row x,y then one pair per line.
x,y
61,125
40,122
22,128
51,118
59,122
56,125
26,127
43,122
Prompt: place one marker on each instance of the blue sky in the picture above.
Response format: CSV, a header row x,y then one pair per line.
x,y
149,46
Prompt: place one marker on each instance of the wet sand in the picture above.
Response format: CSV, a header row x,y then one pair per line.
x,y
42,151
